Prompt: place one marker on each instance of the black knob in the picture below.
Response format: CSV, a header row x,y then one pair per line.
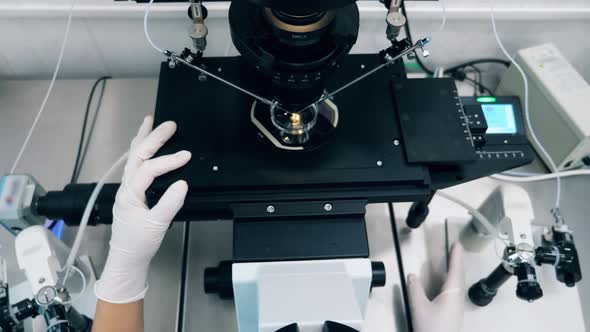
x,y
417,214
379,277
218,280
528,288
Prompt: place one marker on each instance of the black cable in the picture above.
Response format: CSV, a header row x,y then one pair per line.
x,y
79,159
485,88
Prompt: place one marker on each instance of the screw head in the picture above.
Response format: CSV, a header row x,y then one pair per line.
x,y
328,207
379,163
171,64
362,66
396,142
202,78
219,70
215,168
270,209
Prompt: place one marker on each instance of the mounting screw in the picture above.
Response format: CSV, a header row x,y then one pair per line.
x,y
270,209
202,77
215,168
362,66
171,64
328,207
522,236
219,69
379,163
42,280
396,142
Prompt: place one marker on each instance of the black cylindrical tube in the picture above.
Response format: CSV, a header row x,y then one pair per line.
x,y
483,292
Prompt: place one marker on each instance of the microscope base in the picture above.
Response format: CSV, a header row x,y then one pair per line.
x,y
272,296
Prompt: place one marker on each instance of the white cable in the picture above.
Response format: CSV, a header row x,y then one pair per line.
x,y
83,289
145,27
482,219
476,214
526,108
49,89
88,210
443,24
544,177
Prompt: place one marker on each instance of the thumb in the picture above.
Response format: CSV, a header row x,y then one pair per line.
x,y
170,203
418,300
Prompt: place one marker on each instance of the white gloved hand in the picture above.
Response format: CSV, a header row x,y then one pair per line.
x,y
445,312
137,231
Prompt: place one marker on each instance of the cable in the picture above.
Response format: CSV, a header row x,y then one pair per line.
x,y
478,62
537,178
83,289
88,209
526,108
478,84
81,156
476,214
451,69
443,24
49,89
145,27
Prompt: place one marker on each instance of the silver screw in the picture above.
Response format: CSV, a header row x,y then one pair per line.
x,y
215,168
379,163
219,70
328,207
362,66
202,78
171,64
270,209
396,142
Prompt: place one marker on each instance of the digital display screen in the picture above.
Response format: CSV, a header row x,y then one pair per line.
x,y
500,118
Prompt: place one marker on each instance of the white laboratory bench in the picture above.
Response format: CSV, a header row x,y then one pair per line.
x,y
50,158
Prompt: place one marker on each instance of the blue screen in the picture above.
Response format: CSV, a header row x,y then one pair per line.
x,y
500,118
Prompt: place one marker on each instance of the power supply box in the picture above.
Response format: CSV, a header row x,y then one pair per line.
x,y
558,104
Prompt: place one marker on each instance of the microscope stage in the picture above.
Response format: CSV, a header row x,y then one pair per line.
x,y
214,124
368,157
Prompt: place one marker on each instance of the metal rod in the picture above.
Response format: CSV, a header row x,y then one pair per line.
x,y
175,57
419,44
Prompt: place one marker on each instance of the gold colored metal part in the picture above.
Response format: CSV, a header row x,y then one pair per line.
x,y
323,22
296,119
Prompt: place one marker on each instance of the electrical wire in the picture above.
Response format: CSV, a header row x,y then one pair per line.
x,y
49,89
84,283
479,84
81,154
443,24
452,69
145,27
537,178
542,149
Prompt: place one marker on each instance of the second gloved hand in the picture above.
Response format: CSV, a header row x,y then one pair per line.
x,y
445,312
138,231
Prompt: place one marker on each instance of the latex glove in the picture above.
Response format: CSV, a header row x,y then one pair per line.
x,y
445,312
137,231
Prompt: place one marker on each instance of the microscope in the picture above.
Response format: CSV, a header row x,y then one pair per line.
x,y
291,140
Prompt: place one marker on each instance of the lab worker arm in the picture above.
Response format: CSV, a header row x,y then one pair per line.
x,y
445,312
137,230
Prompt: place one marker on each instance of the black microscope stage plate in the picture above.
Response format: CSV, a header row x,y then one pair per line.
x,y
214,124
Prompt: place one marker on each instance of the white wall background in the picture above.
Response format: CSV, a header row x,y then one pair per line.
x,y
107,36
